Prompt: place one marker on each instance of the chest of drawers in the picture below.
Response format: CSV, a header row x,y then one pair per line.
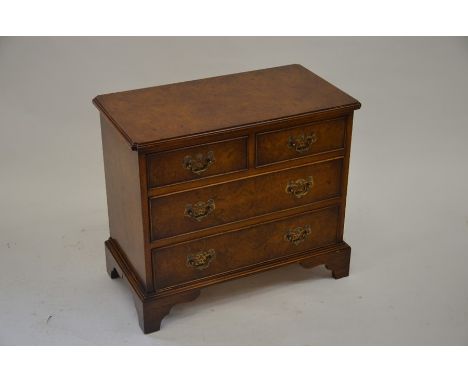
x,y
221,178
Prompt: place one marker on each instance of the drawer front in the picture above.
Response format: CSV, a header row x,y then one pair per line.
x,y
232,201
234,250
195,162
300,141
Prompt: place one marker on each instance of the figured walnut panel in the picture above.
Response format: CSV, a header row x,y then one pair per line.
x,y
196,162
300,141
237,200
226,252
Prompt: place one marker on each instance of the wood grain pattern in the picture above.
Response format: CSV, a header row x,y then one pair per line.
x,y
274,146
121,170
240,224
243,199
153,307
163,112
244,247
264,184
229,156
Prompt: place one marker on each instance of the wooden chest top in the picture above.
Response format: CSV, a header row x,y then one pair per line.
x,y
219,104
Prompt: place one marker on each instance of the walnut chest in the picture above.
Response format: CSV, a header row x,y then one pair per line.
x,y
221,178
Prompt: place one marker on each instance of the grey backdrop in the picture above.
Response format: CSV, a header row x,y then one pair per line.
x,y
407,213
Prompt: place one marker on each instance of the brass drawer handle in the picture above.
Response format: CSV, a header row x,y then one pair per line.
x,y
201,260
199,210
199,163
302,143
299,188
297,235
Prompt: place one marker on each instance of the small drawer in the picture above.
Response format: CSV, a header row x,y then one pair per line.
x,y
227,202
191,163
234,250
300,141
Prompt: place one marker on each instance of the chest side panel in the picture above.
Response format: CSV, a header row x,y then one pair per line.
x,y
123,197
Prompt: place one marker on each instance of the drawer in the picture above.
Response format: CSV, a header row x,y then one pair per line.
x,y
237,200
300,141
191,163
234,250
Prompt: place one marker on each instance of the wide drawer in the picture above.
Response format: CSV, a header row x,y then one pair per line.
x,y
299,141
195,162
237,200
234,250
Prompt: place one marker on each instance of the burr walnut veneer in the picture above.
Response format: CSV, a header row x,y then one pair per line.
x,y
221,178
